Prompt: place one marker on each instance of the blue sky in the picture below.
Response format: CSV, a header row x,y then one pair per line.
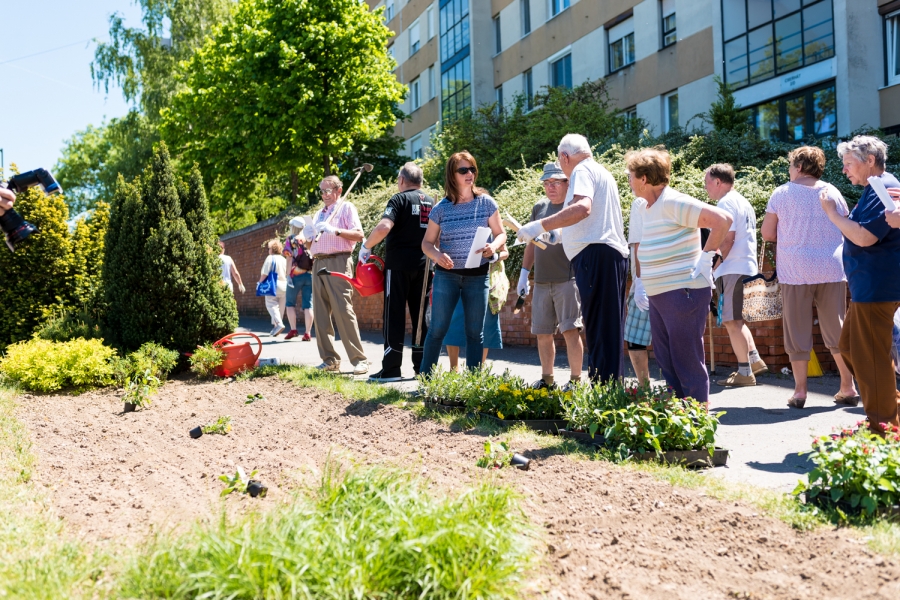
x,y
46,98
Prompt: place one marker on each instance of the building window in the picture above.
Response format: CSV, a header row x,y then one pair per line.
x,y
561,72
765,38
415,93
670,108
557,6
456,78
498,97
528,88
498,45
621,45
393,55
415,148
429,19
892,45
526,17
630,117
669,36
431,90
415,39
797,117
388,10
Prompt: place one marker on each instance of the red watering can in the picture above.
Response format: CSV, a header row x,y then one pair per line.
x,y
369,277
238,357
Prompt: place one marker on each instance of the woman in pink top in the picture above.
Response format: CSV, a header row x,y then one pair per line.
x,y
810,268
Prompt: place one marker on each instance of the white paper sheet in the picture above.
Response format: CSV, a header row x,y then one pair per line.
x,y
309,232
882,192
481,238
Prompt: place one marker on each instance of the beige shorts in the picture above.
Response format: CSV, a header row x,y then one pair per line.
x,y
555,305
831,306
731,289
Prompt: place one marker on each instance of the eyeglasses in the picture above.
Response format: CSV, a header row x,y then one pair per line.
x,y
555,182
326,191
464,170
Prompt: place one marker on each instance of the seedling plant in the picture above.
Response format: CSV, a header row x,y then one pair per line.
x,y
206,359
221,426
251,398
237,482
496,455
140,387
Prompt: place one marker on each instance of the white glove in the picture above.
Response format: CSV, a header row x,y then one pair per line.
x,y
703,268
552,237
309,232
640,295
364,254
523,288
325,227
242,288
529,231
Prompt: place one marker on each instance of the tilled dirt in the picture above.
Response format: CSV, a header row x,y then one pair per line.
x,y
607,532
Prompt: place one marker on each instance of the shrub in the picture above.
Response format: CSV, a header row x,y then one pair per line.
x,y
44,366
367,533
644,419
159,281
856,471
68,324
155,359
206,359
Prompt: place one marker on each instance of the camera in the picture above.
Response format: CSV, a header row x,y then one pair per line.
x,y
16,228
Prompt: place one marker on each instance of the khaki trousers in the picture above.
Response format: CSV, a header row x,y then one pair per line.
x,y
865,345
830,300
332,297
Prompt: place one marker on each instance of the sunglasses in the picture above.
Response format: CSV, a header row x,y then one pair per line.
x,y
464,170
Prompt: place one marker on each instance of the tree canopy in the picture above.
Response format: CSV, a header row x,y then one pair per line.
x,y
285,87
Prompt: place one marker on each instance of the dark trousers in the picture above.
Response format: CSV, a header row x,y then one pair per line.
x,y
677,322
402,289
600,277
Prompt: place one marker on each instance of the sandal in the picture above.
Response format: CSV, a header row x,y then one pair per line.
x,y
846,400
795,402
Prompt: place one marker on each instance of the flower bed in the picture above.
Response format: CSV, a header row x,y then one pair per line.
x,y
857,472
505,397
637,421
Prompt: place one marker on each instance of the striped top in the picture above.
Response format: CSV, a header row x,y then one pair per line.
x,y
670,243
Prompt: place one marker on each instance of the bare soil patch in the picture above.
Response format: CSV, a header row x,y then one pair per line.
x,y
608,532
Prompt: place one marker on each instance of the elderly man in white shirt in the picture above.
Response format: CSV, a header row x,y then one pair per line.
x,y
593,235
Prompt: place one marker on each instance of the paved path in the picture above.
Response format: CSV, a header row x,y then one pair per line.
x,y
763,434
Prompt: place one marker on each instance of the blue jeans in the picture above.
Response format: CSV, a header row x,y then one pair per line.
x,y
446,292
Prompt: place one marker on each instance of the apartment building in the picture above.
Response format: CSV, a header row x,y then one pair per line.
x,y
800,67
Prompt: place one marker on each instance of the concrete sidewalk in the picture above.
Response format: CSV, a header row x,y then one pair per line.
x,y
762,433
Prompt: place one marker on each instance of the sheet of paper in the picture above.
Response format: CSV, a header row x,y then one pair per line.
x,y
882,192
309,232
481,238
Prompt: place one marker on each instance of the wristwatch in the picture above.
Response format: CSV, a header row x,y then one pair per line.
x,y
337,232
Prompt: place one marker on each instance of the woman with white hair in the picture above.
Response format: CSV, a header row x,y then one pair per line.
x,y
299,264
871,261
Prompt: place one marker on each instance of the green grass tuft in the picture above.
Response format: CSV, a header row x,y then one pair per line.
x,y
365,533
353,389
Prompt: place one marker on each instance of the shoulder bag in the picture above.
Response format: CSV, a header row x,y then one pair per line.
x,y
762,295
269,285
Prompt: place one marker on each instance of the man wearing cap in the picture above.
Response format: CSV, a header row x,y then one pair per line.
x,y
339,229
555,304
402,228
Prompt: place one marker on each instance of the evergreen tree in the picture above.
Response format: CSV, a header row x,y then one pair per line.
x,y
158,280
724,114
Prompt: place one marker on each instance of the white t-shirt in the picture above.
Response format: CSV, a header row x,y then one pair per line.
x,y
741,258
227,263
280,267
604,225
635,229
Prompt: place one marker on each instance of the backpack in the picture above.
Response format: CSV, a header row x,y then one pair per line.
x,y
302,259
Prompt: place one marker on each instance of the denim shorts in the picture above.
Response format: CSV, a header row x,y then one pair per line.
x,y
303,288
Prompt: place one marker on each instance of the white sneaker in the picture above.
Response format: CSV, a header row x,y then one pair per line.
x,y
330,367
361,368
276,330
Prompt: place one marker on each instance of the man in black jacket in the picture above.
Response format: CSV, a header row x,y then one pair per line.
x,y
402,226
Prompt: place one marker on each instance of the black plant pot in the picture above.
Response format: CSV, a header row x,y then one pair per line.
x,y
256,488
129,407
520,462
196,432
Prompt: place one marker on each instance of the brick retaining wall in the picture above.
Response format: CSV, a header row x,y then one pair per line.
x,y
247,248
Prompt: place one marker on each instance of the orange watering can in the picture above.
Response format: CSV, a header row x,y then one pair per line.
x,y
369,277
238,357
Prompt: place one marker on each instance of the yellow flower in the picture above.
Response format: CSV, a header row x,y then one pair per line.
x,y
499,415
503,387
530,398
544,392
517,393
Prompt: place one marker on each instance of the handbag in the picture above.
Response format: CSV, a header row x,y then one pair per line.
x,y
762,295
499,283
269,285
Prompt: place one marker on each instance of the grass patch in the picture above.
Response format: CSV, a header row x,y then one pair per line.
x,y
309,377
363,533
39,559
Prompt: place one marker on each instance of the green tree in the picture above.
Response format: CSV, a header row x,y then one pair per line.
x,y
159,284
87,256
724,114
35,278
283,90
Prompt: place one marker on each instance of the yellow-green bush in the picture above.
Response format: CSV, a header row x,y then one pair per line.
x,y
45,366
